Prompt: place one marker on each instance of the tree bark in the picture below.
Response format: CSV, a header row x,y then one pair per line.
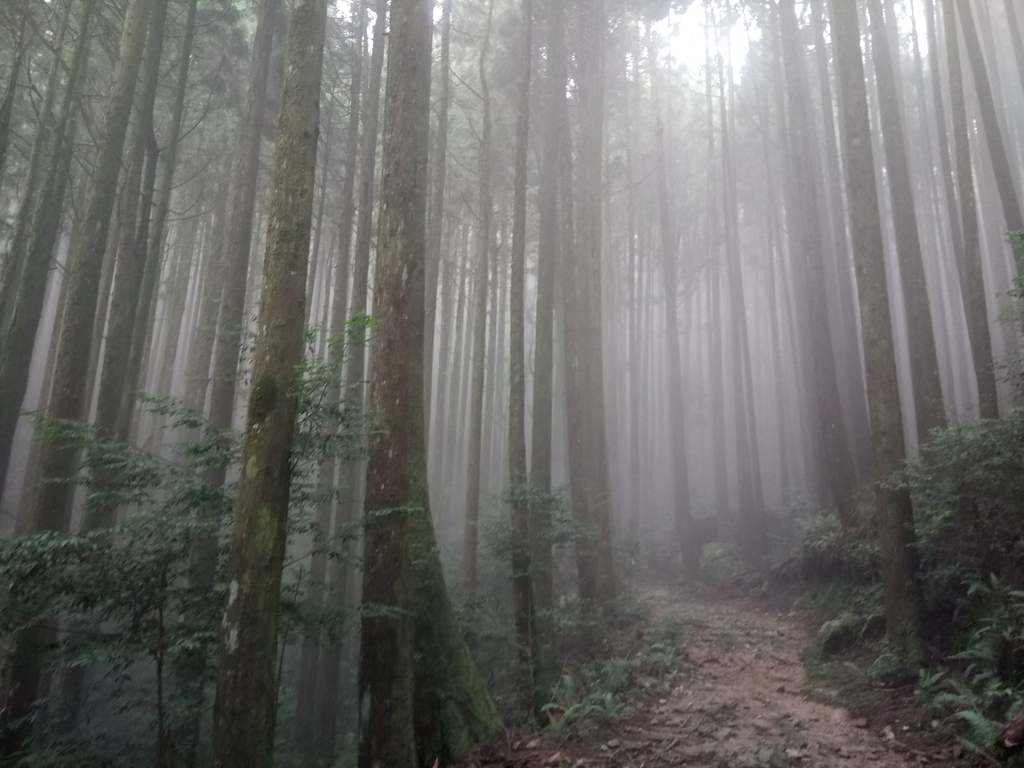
x,y
233,273
26,266
130,258
972,279
545,650
521,580
417,654
436,224
590,82
751,512
689,546
904,600
246,702
150,243
482,240
1001,167
51,505
808,249
320,680
929,408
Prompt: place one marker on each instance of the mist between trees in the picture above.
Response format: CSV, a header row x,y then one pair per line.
x,y
332,329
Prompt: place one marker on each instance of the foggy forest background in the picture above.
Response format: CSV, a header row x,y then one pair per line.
x,y
716,290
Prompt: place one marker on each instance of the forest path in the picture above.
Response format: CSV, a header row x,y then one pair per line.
x,y
742,701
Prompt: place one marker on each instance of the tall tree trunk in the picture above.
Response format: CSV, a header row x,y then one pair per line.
x,y
850,367
436,224
150,243
924,362
28,260
590,82
130,258
482,240
689,546
808,249
521,587
315,719
1015,37
545,651
751,512
231,317
419,688
13,261
1001,168
972,279
223,370
353,474
245,707
51,505
716,322
904,600
7,99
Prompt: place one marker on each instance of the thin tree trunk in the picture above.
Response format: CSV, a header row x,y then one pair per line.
x,y
27,264
689,546
436,224
131,255
482,240
1001,168
717,378
590,82
354,473
7,100
972,279
1015,37
51,505
320,667
924,362
808,249
851,370
545,651
751,517
521,586
13,262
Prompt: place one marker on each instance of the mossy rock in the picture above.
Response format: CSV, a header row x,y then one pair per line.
x,y
845,631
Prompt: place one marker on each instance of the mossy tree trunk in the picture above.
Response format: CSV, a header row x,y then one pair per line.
x,y
421,696
246,702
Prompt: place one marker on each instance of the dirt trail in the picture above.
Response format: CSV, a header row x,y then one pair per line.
x,y
743,704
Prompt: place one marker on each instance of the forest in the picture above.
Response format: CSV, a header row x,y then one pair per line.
x,y
519,383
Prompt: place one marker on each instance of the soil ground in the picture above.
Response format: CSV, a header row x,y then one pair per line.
x,y
743,700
